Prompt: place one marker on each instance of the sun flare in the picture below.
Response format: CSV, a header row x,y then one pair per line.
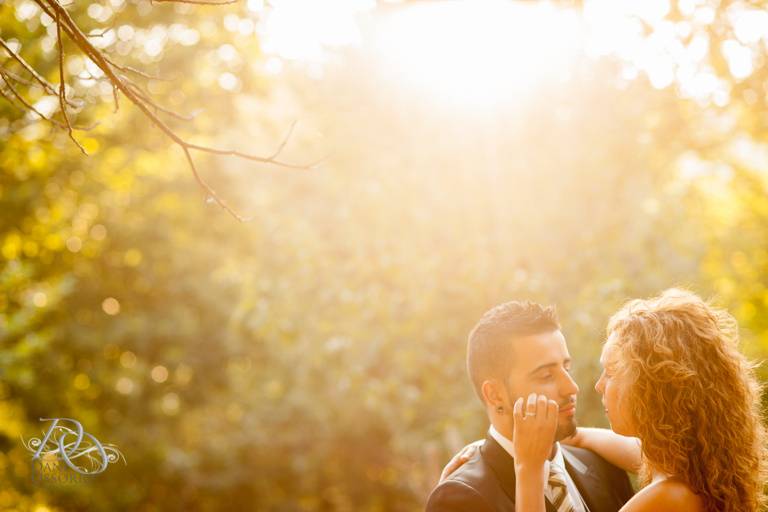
x,y
478,52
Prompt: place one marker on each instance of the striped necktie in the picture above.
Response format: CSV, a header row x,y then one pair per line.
x,y
559,490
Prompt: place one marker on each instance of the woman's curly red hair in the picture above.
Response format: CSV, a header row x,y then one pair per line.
x,y
694,399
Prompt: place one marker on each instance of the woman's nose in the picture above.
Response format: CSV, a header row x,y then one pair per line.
x,y
599,385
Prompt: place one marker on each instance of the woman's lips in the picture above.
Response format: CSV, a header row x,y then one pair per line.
x,y
568,410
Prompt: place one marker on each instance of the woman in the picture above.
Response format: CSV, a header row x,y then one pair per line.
x,y
684,408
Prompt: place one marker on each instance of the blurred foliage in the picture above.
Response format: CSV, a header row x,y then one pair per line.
x,y
313,359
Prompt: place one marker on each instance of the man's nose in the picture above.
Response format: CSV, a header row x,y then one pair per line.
x,y
570,387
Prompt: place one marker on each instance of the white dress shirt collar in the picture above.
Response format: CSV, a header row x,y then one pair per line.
x,y
503,441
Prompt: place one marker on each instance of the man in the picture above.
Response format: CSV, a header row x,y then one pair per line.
x,y
516,350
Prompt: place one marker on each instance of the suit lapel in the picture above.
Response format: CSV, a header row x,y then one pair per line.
x,y
503,466
502,463
592,492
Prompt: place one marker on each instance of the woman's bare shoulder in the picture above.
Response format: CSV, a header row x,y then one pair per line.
x,y
666,496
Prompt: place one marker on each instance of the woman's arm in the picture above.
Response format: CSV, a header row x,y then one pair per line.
x,y
619,450
534,436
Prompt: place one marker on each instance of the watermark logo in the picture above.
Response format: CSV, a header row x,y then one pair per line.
x,y
80,452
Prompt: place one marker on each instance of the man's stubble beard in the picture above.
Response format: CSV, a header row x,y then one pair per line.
x,y
565,429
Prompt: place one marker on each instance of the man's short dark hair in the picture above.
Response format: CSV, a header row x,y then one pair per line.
x,y
490,342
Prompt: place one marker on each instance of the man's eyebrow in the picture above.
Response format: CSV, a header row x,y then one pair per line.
x,y
548,365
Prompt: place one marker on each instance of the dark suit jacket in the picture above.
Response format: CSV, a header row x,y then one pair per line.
x,y
486,483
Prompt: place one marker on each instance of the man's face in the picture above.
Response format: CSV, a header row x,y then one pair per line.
x,y
542,365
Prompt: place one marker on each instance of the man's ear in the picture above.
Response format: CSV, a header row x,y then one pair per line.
x,y
492,394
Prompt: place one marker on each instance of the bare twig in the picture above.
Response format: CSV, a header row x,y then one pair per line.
x,y
13,105
142,74
24,102
17,78
158,108
255,158
116,98
285,141
115,92
211,193
9,99
38,78
31,108
62,89
100,34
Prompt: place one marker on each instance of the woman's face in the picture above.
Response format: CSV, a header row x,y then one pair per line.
x,y
613,386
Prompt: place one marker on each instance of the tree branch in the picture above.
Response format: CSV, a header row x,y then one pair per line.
x,y
65,23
